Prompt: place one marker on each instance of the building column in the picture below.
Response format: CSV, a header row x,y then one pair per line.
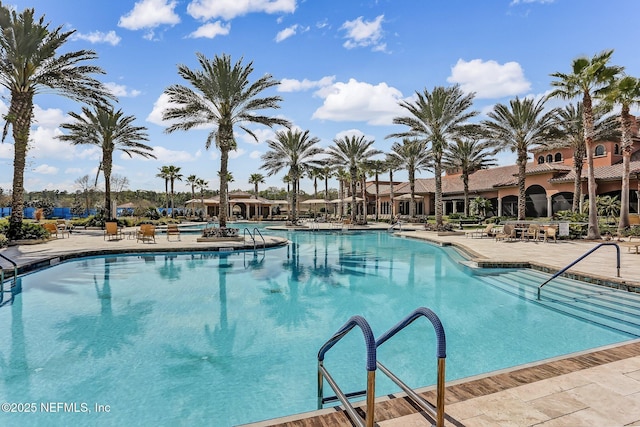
x,y
581,203
549,206
499,206
444,207
455,207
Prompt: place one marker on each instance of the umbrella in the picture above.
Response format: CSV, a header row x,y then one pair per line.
x,y
345,200
314,202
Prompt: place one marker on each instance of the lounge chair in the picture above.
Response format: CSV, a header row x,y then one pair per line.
x,y
173,230
508,233
486,232
54,231
112,231
146,233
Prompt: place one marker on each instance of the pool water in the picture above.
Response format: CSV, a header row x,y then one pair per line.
x,y
230,338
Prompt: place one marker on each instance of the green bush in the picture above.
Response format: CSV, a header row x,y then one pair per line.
x,y
28,231
4,242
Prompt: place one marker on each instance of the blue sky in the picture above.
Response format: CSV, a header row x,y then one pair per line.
x,y
343,67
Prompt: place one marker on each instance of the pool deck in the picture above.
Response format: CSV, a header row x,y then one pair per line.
x,y
598,387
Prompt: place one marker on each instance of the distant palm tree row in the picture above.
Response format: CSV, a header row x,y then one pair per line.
x,y
438,129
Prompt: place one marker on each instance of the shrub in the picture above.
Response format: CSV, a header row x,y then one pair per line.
x,y
28,231
4,242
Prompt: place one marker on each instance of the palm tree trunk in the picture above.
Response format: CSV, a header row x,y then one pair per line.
x,y
224,174
412,187
593,231
364,199
21,109
173,205
438,176
577,180
354,206
377,197
627,146
522,196
392,209
465,182
107,162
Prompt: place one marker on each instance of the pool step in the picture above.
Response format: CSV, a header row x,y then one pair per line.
x,y
609,307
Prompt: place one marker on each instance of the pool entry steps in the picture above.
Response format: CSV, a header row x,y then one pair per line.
x,y
13,282
372,364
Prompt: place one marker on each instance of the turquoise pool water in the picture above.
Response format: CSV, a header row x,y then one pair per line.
x,y
230,338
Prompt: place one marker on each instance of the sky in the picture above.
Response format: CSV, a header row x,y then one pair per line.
x,y
343,68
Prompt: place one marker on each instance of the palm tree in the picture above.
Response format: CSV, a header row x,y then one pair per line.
x,y
351,152
377,167
222,97
174,175
295,150
521,126
202,185
192,180
30,65
393,164
569,123
343,177
413,156
164,174
626,92
469,155
326,172
109,130
437,117
255,179
589,76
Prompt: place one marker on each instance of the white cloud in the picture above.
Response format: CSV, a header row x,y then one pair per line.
x,y
238,152
211,30
165,155
364,33
263,134
99,37
293,85
121,90
73,171
255,154
6,151
488,79
286,33
51,117
359,101
150,14
229,9
353,132
46,170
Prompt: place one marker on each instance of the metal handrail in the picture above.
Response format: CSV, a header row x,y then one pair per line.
x,y
244,234
264,242
441,352
371,372
393,226
15,272
583,257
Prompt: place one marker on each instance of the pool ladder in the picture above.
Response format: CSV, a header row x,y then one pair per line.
x,y
372,364
13,282
253,236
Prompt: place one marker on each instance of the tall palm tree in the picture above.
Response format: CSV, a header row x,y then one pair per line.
x,y
255,179
192,181
164,174
437,118
569,123
625,92
413,156
343,177
294,150
30,65
326,172
222,97
469,155
202,186
174,175
393,164
109,130
377,167
520,126
588,77
350,152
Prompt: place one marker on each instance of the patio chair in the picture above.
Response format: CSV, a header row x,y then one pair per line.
x,y
112,231
54,231
486,232
532,232
508,233
550,233
146,233
173,230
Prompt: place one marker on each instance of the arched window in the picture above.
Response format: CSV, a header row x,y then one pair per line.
x,y
540,160
600,150
616,149
558,157
549,158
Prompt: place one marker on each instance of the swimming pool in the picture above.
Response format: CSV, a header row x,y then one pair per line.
x,y
230,338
